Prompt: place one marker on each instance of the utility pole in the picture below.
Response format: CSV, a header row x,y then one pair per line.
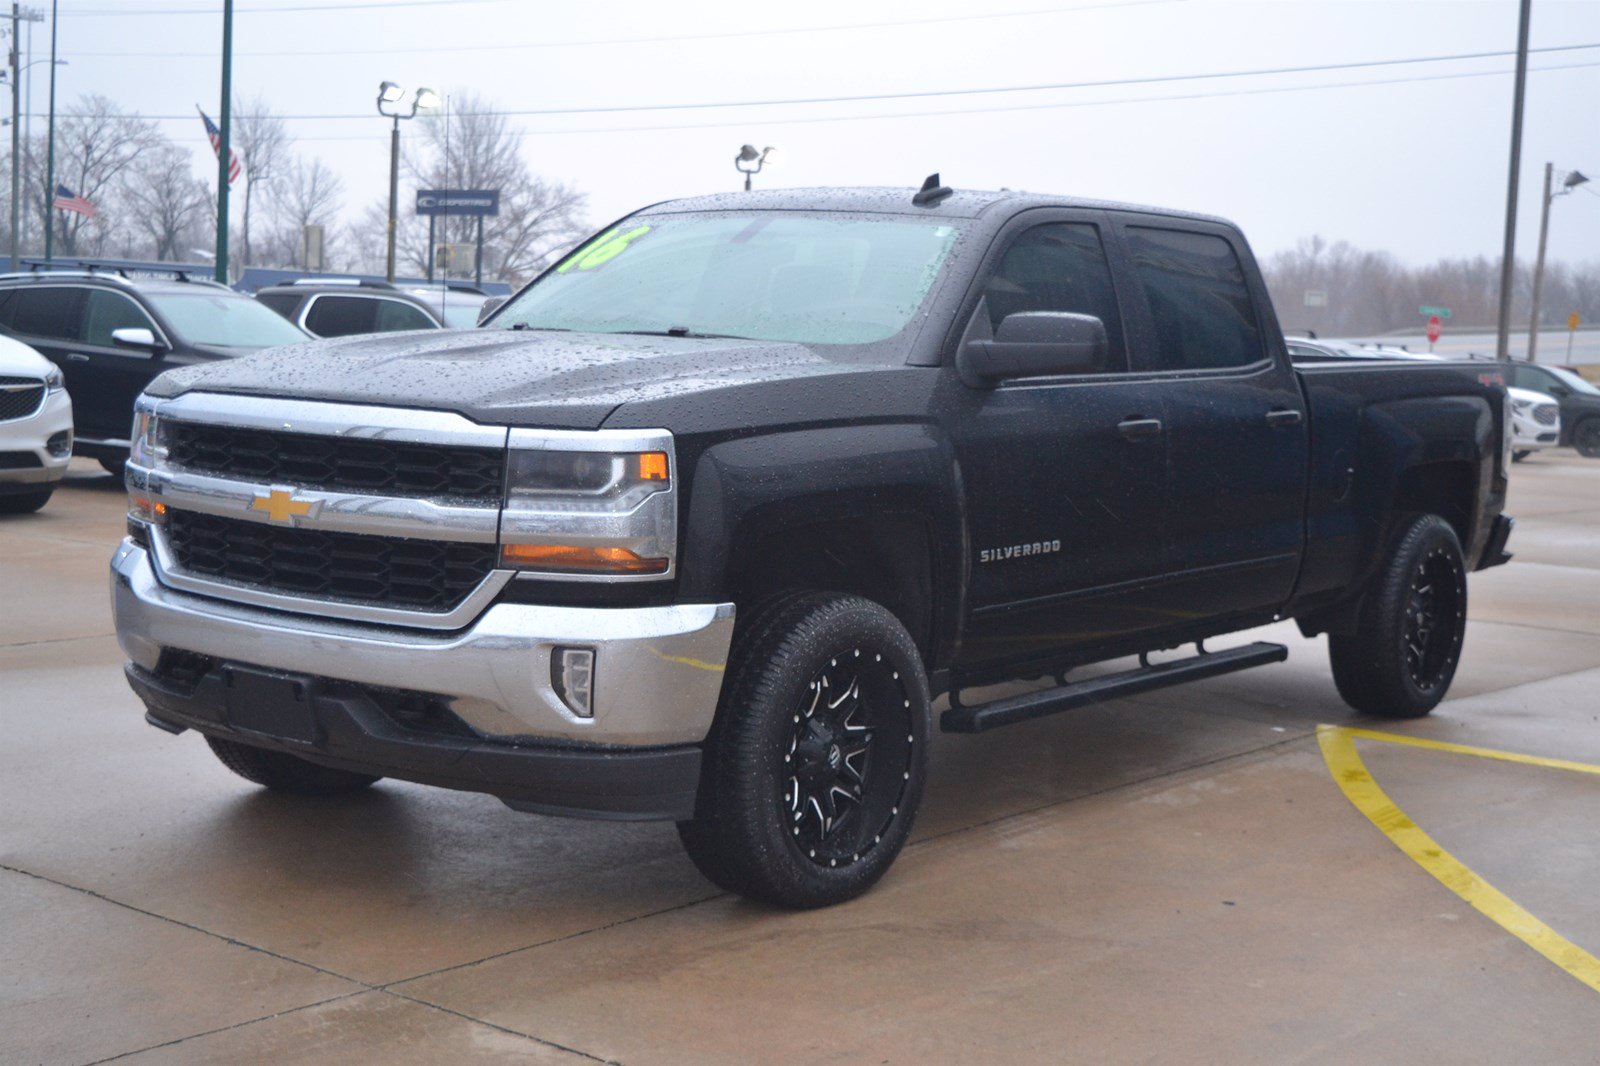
x,y
1538,263
224,150
394,193
50,152
16,131
1502,349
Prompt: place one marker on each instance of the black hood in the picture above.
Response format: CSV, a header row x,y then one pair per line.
x,y
512,377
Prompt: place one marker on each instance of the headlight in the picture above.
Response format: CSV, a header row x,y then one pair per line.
x,y
144,443
603,514
1521,406
53,381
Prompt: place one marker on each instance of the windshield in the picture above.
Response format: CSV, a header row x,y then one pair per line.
x,y
1573,381
225,319
773,275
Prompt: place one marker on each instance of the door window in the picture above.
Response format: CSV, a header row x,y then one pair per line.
x,y
394,315
108,311
1200,305
53,311
341,316
1060,266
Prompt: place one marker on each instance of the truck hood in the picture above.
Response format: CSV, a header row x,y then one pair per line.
x,y
531,378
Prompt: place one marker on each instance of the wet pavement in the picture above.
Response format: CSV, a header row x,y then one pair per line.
x,y
1172,878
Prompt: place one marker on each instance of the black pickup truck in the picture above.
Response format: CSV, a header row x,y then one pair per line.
x,y
704,519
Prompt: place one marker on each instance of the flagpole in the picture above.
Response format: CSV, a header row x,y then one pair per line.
x,y
16,123
50,155
224,152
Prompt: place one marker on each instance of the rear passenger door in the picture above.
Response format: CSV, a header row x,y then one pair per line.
x,y
1237,433
1065,477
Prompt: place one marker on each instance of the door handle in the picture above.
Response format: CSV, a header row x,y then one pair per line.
x,y
1279,418
77,357
1134,428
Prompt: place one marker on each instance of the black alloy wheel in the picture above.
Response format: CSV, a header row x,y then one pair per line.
x,y
1436,607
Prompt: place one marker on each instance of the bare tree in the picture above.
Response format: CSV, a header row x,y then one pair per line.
x,y
164,201
263,144
96,142
472,148
309,194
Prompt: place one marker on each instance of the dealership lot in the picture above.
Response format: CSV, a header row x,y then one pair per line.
x,y
1176,877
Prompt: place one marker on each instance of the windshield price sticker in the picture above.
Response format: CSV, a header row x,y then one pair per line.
x,y
607,247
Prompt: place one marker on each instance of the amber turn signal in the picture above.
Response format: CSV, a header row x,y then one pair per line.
x,y
653,466
571,558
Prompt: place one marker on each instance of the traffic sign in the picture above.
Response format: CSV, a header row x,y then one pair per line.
x,y
1435,328
1572,320
1436,312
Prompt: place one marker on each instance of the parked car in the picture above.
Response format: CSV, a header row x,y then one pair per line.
x,y
111,335
1535,422
1310,349
701,521
35,428
1579,401
335,307
457,306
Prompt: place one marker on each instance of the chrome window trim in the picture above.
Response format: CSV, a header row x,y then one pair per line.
x,y
459,617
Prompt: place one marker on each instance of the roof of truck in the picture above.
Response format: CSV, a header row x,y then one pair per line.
x,y
961,203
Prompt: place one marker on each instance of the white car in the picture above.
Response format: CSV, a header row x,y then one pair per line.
x,y
35,428
1535,422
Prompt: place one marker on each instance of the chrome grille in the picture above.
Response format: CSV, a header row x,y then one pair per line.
x,y
419,575
344,464
1546,413
20,397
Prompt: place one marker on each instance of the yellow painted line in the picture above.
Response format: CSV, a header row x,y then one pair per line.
x,y
1344,762
684,660
1465,749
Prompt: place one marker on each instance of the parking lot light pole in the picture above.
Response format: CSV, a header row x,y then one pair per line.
x,y
50,151
390,97
1572,181
16,127
749,161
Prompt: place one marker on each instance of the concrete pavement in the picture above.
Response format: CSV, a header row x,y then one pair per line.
x,y
1175,878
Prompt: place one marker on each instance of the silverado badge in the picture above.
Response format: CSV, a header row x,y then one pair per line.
x,y
281,506
1018,551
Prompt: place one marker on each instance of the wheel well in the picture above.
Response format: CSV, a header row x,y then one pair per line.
x,y
1444,489
886,559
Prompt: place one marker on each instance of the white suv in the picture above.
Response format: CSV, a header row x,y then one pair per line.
x,y
1535,422
35,428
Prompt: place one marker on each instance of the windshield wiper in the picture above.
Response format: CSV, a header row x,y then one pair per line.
x,y
679,331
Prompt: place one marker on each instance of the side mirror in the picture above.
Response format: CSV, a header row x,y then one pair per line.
x,y
137,337
1560,391
1033,344
489,307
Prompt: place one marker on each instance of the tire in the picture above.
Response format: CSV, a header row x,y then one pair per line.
x,y
1586,437
1521,454
117,468
806,799
1401,660
24,502
283,772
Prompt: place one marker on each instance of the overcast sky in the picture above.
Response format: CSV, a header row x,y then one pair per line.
x,y
1417,167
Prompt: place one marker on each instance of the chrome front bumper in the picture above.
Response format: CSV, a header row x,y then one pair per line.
x,y
658,670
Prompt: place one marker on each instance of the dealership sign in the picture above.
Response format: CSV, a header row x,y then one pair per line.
x,y
479,202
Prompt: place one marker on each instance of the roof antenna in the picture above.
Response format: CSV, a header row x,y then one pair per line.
x,y
931,192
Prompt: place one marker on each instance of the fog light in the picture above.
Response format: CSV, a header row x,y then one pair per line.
x,y
572,676
60,444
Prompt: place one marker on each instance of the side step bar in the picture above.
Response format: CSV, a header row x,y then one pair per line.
x,y
1032,705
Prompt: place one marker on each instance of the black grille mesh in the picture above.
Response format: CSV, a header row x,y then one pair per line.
x,y
423,575
19,403
341,464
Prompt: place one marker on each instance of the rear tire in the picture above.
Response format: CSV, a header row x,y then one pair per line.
x,y
1586,438
24,503
1404,654
814,767
283,772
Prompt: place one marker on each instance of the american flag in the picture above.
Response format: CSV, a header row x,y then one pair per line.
x,y
67,200
215,134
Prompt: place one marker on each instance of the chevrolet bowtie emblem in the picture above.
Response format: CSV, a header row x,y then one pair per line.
x,y
281,506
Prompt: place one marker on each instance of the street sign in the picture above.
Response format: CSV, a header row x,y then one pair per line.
x,y
1316,297
1572,320
1435,328
1436,312
479,202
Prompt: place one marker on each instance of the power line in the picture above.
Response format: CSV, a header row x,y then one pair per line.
x,y
212,11
991,110
930,93
668,38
